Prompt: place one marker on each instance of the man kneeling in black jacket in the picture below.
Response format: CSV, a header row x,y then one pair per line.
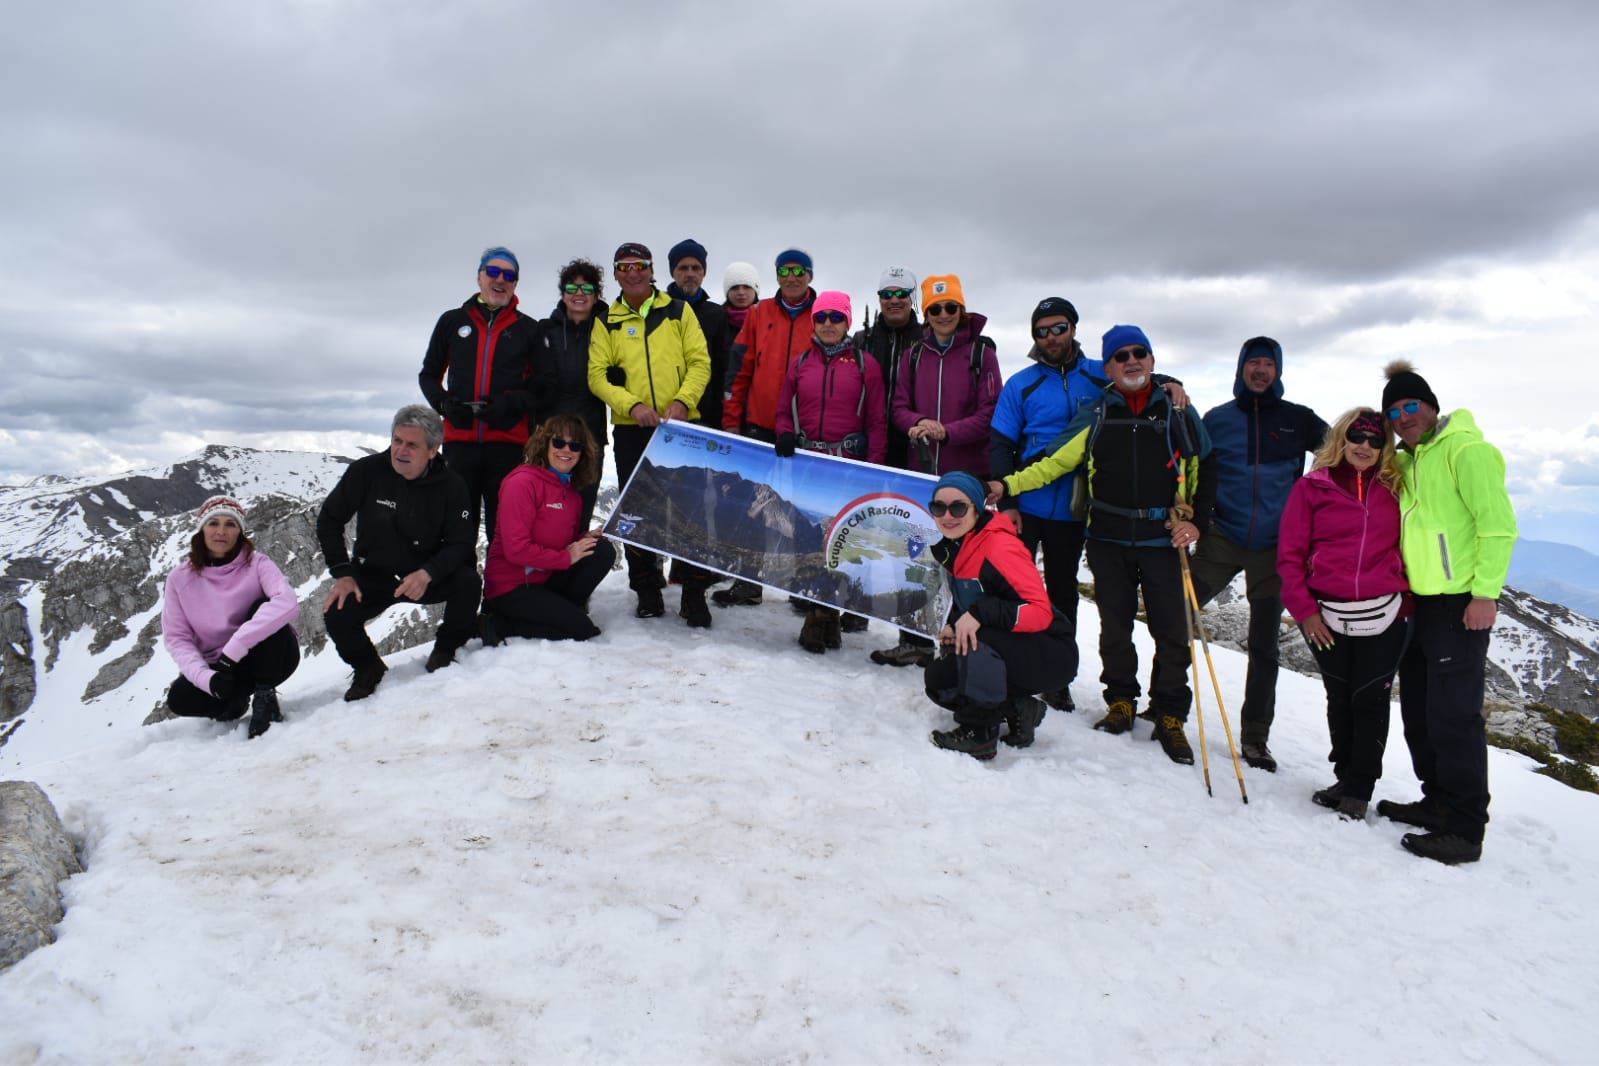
x,y
414,541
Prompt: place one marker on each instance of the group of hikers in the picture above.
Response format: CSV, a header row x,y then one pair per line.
x,y
1389,554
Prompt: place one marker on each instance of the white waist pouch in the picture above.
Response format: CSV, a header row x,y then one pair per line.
x,y
1361,618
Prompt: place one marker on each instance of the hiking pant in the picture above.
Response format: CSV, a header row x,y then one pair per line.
x,y
1034,663
1063,547
1441,682
644,567
1120,572
558,608
483,467
1358,674
459,591
1215,562
267,665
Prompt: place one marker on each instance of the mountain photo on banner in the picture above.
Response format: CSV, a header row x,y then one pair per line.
x,y
835,531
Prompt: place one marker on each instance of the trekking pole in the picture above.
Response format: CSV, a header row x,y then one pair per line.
x,y
1204,638
1193,662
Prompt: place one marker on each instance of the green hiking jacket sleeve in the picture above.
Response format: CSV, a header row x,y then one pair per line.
x,y
1058,463
1480,473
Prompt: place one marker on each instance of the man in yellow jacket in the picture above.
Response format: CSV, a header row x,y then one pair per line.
x,y
649,363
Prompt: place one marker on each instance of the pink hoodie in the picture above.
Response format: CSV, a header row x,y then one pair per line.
x,y
1333,544
208,612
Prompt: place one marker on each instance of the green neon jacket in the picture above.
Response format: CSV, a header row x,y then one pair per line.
x,y
1458,524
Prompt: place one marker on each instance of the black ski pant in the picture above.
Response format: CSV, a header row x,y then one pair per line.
x,y
644,567
458,591
1120,573
1216,562
267,665
558,608
1358,674
483,467
1063,548
1034,663
1441,682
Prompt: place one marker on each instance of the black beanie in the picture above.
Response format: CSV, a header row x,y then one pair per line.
x,y
1055,305
1405,384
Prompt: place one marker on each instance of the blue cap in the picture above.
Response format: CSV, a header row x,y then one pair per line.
x,y
499,252
1120,337
795,255
967,485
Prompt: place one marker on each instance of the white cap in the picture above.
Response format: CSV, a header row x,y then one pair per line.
x,y
740,274
897,278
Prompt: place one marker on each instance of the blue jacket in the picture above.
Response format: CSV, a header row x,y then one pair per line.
x,y
1035,407
1260,443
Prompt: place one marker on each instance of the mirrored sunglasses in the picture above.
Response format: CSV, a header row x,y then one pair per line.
x,y
500,272
893,294
637,266
1052,331
792,272
836,317
572,288
1409,407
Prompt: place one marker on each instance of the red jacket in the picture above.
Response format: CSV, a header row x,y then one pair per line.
x,y
834,399
1336,545
472,359
995,578
759,360
539,516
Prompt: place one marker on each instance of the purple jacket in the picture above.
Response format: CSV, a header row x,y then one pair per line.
x,y
208,612
1339,547
941,386
835,399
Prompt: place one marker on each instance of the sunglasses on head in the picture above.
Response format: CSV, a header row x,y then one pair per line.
x,y
893,294
958,509
1363,436
836,317
500,272
1124,354
1056,330
792,272
951,308
572,288
638,266
1409,407
564,445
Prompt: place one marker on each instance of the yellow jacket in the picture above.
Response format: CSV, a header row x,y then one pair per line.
x,y
663,357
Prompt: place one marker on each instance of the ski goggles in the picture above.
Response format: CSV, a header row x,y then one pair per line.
x,y
792,272
958,509
1056,330
834,317
893,294
1409,407
1123,354
950,308
500,272
572,288
563,445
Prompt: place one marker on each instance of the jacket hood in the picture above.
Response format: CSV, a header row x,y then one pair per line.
x,y
1459,423
1253,348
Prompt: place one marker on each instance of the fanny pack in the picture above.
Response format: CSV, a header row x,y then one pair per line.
x,y
852,446
1361,618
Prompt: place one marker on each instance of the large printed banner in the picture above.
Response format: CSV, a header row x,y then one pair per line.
x,y
835,531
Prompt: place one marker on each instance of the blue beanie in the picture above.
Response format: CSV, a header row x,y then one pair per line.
x,y
966,485
687,248
795,255
1120,337
498,252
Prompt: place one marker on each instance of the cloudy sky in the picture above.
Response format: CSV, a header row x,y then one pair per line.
x,y
237,223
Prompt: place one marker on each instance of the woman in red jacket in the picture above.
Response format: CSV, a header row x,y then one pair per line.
x,y
1344,583
1009,641
542,565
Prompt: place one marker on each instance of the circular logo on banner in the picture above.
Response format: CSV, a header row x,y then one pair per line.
x,y
464,331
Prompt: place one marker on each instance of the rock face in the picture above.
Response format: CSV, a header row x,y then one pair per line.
x,y
36,855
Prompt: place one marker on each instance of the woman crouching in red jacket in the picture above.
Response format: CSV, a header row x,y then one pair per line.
x,y
1009,642
542,565
1344,583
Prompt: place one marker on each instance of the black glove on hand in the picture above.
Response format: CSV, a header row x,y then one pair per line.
x,y
503,412
459,414
785,445
224,683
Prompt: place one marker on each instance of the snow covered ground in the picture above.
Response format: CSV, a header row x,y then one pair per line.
x,y
674,846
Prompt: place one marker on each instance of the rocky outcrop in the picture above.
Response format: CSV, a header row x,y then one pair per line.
x,y
36,855
17,681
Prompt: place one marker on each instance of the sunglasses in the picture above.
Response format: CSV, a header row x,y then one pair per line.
x,y
500,272
893,294
1056,330
1124,354
636,267
1409,407
835,317
958,509
563,445
572,288
792,272
1363,436
951,308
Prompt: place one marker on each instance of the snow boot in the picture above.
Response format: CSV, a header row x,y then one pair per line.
x,y
739,594
650,604
980,744
1169,731
905,653
366,681
1118,717
1442,847
488,630
813,634
1023,715
1060,699
1259,756
832,632
442,655
692,609
854,623
1334,798
1424,813
264,710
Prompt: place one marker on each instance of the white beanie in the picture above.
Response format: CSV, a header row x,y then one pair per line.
x,y
897,278
740,274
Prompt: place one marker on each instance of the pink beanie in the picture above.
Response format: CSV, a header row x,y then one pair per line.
x,y
833,300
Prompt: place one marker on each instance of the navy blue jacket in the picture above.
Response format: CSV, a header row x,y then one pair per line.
x,y
1035,407
1260,442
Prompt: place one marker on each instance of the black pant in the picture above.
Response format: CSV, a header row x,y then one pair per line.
x,y
1441,681
483,467
644,567
1119,573
458,591
1215,563
267,665
590,495
1034,663
557,609
1358,673
1063,548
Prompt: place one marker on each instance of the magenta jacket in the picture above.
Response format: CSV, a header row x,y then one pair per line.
x,y
1338,547
539,516
941,386
835,399
211,612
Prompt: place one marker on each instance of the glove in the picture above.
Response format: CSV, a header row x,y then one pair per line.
x,y
223,684
503,412
459,414
615,375
785,445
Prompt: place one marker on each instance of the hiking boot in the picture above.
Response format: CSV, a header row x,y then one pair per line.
x,y
1118,717
264,710
1060,699
980,744
1023,716
854,623
904,654
1442,847
650,604
1334,798
1259,756
739,594
832,633
442,655
1424,813
366,681
813,634
488,630
1169,731
692,608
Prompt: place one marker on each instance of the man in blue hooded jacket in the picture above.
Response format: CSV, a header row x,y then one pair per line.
x,y
1260,442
